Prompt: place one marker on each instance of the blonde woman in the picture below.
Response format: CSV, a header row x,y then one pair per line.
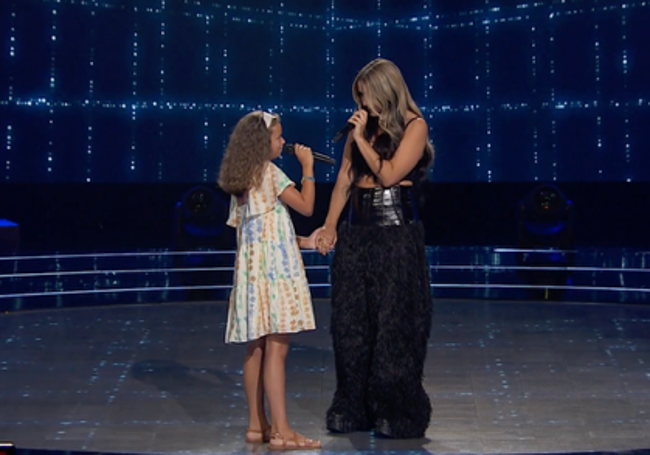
x,y
381,301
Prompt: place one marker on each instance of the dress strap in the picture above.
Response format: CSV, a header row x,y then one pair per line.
x,y
409,122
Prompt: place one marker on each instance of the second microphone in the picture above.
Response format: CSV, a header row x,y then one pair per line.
x,y
289,150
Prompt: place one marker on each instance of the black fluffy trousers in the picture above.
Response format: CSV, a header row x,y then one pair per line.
x,y
381,319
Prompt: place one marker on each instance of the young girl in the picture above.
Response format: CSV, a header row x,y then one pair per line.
x,y
270,297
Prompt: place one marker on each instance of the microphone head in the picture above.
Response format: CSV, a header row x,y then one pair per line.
x,y
289,149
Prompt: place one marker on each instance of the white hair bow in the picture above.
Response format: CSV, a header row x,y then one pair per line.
x,y
268,118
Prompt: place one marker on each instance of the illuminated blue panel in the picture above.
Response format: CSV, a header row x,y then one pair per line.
x,y
149,90
6,57
455,135
185,44
68,143
635,51
405,47
181,153
151,166
251,65
456,80
576,154
111,132
402,11
32,61
30,130
301,8
637,158
150,56
295,67
613,134
511,78
452,8
73,55
513,129
358,10
611,55
112,54
574,46
353,47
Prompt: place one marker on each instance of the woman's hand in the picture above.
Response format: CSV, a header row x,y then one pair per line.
x,y
359,119
326,239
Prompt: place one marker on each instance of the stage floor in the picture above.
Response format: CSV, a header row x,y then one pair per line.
x,y
503,376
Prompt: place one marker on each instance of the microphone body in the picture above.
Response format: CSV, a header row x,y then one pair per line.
x,y
343,132
289,149
349,127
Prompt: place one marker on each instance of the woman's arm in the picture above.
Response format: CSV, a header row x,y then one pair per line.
x,y
408,153
326,236
341,190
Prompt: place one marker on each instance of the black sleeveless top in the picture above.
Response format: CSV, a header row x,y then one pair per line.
x,y
386,148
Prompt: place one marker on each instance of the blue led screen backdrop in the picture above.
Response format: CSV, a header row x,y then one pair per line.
x,y
149,90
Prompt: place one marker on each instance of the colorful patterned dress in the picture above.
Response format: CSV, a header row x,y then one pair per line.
x,y
270,292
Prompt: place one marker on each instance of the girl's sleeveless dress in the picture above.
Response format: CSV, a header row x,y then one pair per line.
x,y
270,291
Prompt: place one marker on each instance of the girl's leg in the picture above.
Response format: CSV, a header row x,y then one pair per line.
x,y
277,347
254,386
283,436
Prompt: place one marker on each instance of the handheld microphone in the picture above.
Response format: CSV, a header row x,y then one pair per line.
x,y
343,132
289,149
347,128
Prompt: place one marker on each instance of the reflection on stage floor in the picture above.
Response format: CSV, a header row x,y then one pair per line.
x,y
503,376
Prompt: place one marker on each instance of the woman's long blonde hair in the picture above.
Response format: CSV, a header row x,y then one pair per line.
x,y
248,151
390,97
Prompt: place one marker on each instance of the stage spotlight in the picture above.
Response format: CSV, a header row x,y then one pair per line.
x,y
200,218
200,225
546,240
7,448
9,237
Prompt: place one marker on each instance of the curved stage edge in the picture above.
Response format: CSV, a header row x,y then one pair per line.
x,y
503,377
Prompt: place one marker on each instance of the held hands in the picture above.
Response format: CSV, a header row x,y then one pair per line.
x,y
304,155
311,242
322,239
359,120
325,239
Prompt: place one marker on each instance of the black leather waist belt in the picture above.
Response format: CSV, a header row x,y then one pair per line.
x,y
393,206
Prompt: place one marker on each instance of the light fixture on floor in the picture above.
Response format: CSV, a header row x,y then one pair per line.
x,y
200,227
7,448
546,239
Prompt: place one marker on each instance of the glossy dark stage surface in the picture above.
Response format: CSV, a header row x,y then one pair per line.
x,y
503,376
123,352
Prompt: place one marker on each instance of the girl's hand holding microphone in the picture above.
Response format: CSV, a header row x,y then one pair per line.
x,y
305,156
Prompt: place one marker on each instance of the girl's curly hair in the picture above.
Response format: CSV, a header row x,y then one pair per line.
x,y
248,151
